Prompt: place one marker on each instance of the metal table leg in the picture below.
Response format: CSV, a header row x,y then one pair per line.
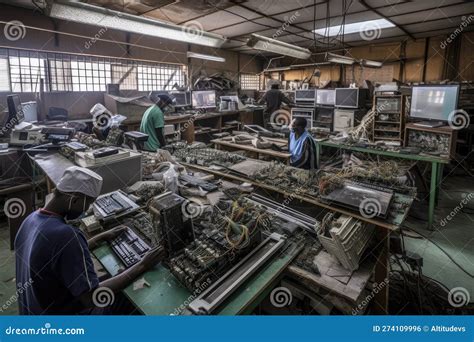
x,y
318,152
433,185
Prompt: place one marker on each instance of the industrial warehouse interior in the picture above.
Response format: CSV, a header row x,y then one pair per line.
x,y
251,157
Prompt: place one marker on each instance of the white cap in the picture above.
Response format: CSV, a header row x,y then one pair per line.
x,y
82,180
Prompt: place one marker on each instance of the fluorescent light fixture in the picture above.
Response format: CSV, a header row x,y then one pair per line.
x,y
105,18
339,59
272,45
371,64
363,26
207,57
277,69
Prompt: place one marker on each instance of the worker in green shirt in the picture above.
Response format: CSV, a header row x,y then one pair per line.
x,y
153,121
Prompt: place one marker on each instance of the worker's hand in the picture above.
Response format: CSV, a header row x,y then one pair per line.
x,y
106,236
113,233
152,258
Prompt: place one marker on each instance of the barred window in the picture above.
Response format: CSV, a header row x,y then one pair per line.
x,y
125,75
249,82
160,77
26,71
4,81
22,70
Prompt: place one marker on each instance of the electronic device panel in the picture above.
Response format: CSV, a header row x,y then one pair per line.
x,y
129,247
176,232
325,97
434,102
306,113
204,99
369,200
181,98
347,97
113,205
15,109
388,104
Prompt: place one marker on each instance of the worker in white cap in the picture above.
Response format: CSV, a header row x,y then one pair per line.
x,y
54,269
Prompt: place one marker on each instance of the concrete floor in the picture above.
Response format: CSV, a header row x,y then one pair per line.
x,y
456,238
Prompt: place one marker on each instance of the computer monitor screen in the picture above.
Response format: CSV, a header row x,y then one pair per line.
x,y
204,99
325,96
181,99
15,109
434,102
308,94
347,97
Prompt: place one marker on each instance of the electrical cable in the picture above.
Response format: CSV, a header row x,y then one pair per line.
x,y
446,253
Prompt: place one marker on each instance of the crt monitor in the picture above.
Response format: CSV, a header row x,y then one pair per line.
x,y
305,95
434,102
347,97
325,97
15,109
181,98
204,99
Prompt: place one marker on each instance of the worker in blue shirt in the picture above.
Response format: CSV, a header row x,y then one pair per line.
x,y
54,270
301,145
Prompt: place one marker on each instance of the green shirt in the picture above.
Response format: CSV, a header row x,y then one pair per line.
x,y
152,119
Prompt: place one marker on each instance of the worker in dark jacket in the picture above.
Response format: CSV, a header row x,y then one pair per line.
x,y
301,145
54,270
273,98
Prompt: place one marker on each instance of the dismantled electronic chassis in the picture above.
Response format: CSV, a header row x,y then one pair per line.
x,y
212,297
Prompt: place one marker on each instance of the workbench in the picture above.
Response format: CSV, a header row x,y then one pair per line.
x,y
167,296
384,229
187,124
437,164
225,144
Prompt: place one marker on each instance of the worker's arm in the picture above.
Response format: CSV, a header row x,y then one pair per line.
x,y
108,235
304,157
161,136
285,99
263,99
122,280
309,155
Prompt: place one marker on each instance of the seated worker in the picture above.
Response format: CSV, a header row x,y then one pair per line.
x,y
54,269
301,145
153,121
273,98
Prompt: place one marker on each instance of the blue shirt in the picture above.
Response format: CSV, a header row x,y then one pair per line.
x,y
53,266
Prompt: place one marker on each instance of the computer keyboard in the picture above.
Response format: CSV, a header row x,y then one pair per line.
x,y
129,247
112,204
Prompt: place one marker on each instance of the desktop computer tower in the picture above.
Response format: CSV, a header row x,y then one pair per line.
x,y
175,232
